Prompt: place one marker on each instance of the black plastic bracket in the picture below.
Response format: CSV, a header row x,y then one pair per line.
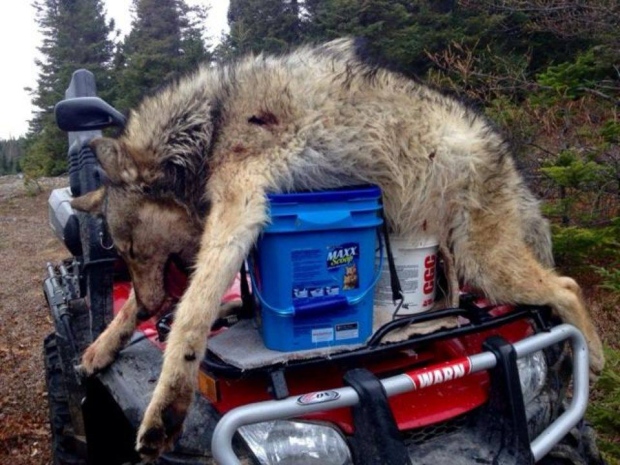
x,y
475,314
278,388
373,418
506,396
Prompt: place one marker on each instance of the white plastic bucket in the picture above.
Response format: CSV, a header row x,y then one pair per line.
x,y
416,262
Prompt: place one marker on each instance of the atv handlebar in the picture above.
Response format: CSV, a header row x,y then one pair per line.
x,y
296,406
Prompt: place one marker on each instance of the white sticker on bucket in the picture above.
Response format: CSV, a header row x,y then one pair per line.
x,y
347,331
322,335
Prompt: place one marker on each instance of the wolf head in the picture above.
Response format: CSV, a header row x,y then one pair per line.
x,y
147,217
153,197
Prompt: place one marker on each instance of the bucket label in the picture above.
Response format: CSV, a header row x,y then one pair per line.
x,y
347,331
416,268
429,275
322,335
345,257
309,281
342,255
325,273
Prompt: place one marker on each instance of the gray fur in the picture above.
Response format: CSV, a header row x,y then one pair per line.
x,y
197,160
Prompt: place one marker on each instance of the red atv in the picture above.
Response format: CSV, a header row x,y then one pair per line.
x,y
507,385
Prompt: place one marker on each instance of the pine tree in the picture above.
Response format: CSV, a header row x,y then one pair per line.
x,y
401,32
262,26
164,43
75,35
11,151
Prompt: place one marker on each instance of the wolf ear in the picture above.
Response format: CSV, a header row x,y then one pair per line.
x,y
115,161
91,202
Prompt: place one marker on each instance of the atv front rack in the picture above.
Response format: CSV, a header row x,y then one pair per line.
x,y
298,406
474,319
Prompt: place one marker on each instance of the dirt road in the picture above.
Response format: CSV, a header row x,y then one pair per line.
x,y
26,245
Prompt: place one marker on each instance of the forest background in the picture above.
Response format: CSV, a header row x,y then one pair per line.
x,y
547,72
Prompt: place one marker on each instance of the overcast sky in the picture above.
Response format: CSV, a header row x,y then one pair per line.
x,y
19,39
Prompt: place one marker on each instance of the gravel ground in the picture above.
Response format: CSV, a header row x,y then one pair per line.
x,y
26,245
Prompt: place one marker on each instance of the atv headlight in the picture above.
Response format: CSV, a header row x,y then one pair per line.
x,y
532,374
296,443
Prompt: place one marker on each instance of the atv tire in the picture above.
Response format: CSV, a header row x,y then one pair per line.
x,y
64,443
577,448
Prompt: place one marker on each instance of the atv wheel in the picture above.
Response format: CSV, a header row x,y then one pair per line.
x,y
64,443
577,448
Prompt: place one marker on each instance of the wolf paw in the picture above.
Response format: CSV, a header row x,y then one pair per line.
x,y
161,426
597,362
95,359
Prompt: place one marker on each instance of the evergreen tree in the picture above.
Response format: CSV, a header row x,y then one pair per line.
x,y
262,26
164,43
392,28
400,32
408,33
11,151
75,35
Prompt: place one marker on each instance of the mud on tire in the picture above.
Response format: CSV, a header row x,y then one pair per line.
x,y
64,443
577,448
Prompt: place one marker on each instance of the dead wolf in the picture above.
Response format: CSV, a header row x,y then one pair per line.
x,y
188,179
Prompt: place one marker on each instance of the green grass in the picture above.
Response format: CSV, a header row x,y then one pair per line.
x,y
604,409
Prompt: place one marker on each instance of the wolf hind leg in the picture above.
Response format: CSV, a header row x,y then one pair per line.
x,y
569,305
104,349
505,269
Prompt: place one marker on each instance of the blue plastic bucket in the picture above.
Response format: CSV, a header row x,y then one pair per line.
x,y
315,268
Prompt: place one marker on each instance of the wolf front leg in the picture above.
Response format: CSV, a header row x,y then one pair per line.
x,y
105,348
238,213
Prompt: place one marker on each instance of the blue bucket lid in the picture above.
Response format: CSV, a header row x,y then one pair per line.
x,y
333,195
